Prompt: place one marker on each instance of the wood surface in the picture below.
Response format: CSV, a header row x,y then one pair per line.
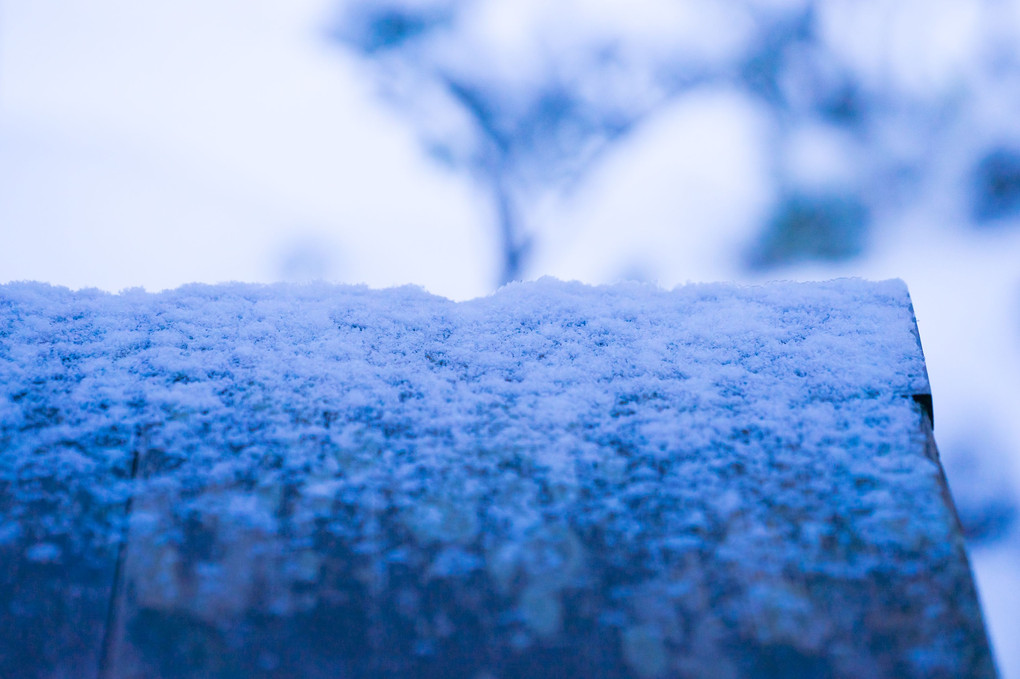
x,y
214,516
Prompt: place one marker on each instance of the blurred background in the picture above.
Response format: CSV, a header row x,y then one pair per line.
x,y
459,144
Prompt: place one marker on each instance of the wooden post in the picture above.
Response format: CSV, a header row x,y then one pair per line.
x,y
555,481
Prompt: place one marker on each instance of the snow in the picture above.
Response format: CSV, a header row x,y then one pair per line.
x,y
711,437
199,141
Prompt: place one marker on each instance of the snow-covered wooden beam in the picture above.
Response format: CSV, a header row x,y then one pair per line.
x,y
554,481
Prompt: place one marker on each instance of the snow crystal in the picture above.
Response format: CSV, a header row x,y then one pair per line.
x,y
656,481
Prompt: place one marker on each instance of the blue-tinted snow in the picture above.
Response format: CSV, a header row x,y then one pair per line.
x,y
685,480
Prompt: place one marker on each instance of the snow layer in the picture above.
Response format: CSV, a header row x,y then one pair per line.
x,y
611,481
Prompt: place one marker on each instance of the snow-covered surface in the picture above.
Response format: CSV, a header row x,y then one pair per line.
x,y
157,144
623,480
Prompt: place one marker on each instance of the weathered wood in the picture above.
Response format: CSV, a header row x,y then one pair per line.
x,y
341,483
64,474
57,574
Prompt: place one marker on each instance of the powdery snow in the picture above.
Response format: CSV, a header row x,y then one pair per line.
x,y
633,480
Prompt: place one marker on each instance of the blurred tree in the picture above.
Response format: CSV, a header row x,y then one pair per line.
x,y
525,115
528,95
821,226
996,186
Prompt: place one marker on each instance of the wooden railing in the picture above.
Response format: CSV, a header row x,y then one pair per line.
x,y
556,481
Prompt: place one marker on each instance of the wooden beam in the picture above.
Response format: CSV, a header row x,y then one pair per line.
x,y
555,481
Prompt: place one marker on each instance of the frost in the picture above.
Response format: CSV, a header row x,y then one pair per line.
x,y
551,459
